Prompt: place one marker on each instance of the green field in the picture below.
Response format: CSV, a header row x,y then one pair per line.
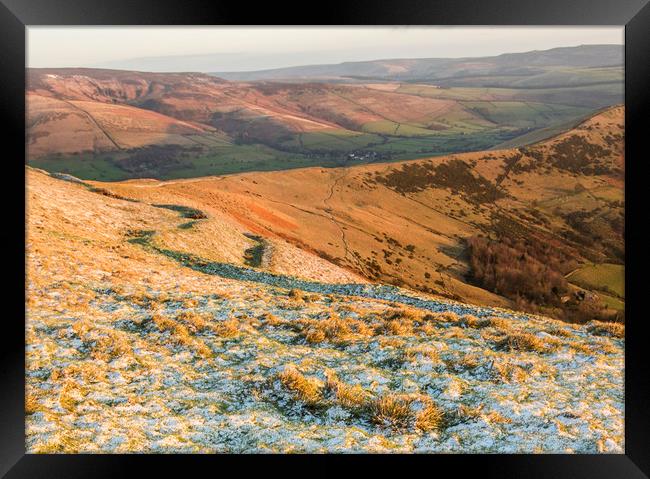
x,y
334,140
486,118
86,166
521,114
310,149
596,95
606,277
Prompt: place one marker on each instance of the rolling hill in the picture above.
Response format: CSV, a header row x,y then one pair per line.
x,y
115,125
563,66
428,224
161,328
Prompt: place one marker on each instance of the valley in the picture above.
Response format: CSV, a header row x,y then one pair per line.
x,y
408,224
113,125
408,255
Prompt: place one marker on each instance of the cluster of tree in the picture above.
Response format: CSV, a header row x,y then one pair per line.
x,y
517,269
531,273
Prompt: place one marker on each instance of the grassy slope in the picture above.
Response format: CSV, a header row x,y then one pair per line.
x,y
602,277
167,359
349,217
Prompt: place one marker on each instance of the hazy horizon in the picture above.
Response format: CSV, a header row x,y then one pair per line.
x,y
235,49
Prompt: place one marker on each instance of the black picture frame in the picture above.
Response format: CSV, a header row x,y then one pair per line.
x,y
15,15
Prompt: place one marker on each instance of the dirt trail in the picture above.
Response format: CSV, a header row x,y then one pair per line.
x,y
349,256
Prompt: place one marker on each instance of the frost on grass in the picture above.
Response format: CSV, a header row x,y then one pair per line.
x,y
171,371
135,349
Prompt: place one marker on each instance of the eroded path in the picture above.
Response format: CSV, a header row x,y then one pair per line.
x,y
371,291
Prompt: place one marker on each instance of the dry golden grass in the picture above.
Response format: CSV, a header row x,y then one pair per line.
x,y
470,361
509,372
105,344
559,331
600,328
495,417
196,322
414,353
346,395
518,341
70,395
447,317
111,345
295,294
397,327
228,328
405,411
142,298
271,319
499,323
465,412
334,329
87,372
61,443
180,335
430,417
392,411
31,403
307,390
471,321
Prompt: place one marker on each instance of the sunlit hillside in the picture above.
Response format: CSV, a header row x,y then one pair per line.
x,y
165,327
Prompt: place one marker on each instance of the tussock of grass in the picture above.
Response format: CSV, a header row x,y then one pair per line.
x,y
88,372
415,353
516,341
468,362
334,329
429,418
404,411
471,321
31,403
196,322
180,335
105,344
306,390
392,411
70,395
602,328
465,412
499,323
495,417
271,319
509,372
296,295
141,298
446,317
228,328
61,443
559,331
346,395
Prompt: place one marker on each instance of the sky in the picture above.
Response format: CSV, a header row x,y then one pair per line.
x,y
227,49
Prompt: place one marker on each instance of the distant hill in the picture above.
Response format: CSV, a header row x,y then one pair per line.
x,y
114,124
551,68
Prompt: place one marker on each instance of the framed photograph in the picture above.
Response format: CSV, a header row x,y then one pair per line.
x,y
390,233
